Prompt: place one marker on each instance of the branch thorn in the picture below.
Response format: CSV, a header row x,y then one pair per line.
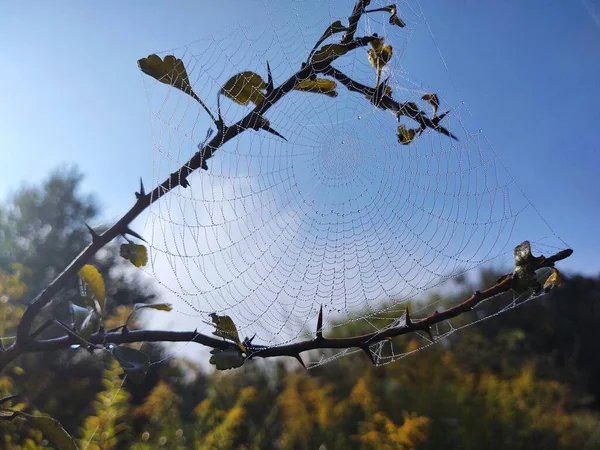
x,y
269,88
365,348
132,233
95,236
297,356
219,122
407,318
320,324
262,123
428,331
142,192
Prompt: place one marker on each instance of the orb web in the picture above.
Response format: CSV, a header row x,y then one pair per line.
x,y
338,214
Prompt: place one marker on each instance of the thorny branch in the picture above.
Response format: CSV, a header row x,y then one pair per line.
x,y
294,350
407,109
26,342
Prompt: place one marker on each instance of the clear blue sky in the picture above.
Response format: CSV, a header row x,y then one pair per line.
x,y
528,72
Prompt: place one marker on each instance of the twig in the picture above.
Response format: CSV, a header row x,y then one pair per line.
x,y
387,102
357,12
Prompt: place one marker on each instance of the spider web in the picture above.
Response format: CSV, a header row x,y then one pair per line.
x,y
341,215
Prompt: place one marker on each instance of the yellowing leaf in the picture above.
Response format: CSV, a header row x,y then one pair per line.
x,y
94,282
245,87
227,359
434,101
379,55
52,429
329,51
320,86
135,253
406,135
554,280
170,71
226,329
377,44
158,306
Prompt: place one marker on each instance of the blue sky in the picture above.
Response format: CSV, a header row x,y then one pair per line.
x,y
71,91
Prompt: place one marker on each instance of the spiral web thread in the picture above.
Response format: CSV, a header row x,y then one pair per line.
x,y
341,215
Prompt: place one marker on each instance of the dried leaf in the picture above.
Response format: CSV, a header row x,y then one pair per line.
x,y
170,71
231,358
406,135
135,253
554,280
94,282
394,19
52,429
226,329
319,86
245,87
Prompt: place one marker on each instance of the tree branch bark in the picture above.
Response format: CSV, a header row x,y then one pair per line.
x,y
294,350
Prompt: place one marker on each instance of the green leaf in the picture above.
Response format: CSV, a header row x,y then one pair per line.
x,y
406,135
525,264
434,101
335,27
226,329
319,86
245,87
89,301
82,320
158,306
134,362
329,51
170,71
94,282
135,253
52,429
230,358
